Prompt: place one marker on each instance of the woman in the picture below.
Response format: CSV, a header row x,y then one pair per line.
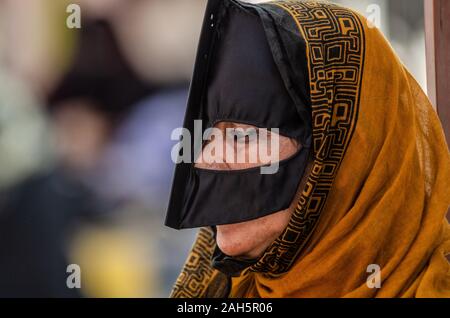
x,y
360,143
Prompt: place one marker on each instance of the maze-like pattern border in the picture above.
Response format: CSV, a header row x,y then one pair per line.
x,y
197,271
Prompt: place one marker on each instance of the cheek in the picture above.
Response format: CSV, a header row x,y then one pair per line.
x,y
237,240
253,237
232,242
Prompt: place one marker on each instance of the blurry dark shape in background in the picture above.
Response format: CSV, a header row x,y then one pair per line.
x,y
99,201
35,219
94,96
101,75
39,213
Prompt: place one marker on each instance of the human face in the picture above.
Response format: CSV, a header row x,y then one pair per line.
x,y
250,239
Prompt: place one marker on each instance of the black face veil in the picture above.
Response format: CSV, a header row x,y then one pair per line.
x,y
237,78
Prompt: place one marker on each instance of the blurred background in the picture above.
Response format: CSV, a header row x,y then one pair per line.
x,y
85,121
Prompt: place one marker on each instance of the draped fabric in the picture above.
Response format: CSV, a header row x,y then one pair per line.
x,y
378,190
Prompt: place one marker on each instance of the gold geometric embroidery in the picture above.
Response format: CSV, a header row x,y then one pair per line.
x,y
197,271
